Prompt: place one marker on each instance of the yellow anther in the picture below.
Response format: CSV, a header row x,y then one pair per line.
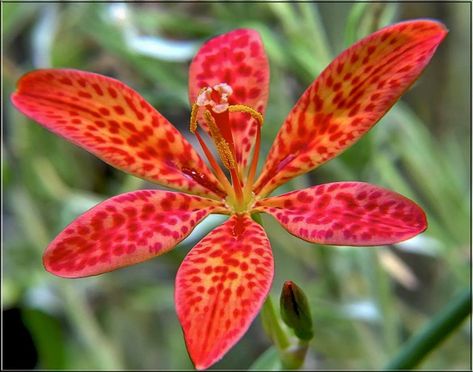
x,y
242,108
223,148
225,154
216,135
193,123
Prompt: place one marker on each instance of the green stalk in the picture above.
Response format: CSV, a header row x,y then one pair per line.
x,y
312,21
325,256
353,22
434,333
272,325
384,298
77,310
291,351
271,322
85,324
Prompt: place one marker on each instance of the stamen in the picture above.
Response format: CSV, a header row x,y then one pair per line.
x,y
254,161
217,170
193,122
222,146
216,110
226,155
242,108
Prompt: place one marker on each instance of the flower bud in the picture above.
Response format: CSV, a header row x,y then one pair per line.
x,y
295,310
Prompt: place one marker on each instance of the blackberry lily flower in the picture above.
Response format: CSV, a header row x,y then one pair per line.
x,y
223,281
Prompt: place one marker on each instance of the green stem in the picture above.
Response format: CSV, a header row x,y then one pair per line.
x,y
291,352
76,308
81,317
434,333
382,288
273,326
353,22
271,321
324,255
311,19
257,218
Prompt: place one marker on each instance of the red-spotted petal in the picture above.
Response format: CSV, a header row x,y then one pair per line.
x,y
347,213
238,59
125,230
112,121
348,98
220,287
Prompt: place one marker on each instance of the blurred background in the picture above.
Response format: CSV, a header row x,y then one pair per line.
x,y
365,302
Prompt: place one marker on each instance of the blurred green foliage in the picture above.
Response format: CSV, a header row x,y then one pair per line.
x,y
365,302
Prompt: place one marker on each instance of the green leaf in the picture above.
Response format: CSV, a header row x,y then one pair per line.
x,y
268,361
48,338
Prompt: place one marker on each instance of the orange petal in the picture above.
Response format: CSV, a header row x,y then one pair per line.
x,y
125,230
109,119
221,286
238,59
346,213
348,98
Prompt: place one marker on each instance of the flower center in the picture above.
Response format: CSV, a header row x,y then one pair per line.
x,y
212,111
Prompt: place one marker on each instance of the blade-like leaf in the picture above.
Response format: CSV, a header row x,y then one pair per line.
x,y
109,119
348,98
221,286
346,213
125,230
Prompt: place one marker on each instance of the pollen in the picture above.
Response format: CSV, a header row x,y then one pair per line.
x,y
226,155
223,148
193,120
242,108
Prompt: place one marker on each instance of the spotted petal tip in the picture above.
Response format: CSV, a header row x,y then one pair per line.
x,y
221,286
238,59
125,230
112,121
347,213
348,98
